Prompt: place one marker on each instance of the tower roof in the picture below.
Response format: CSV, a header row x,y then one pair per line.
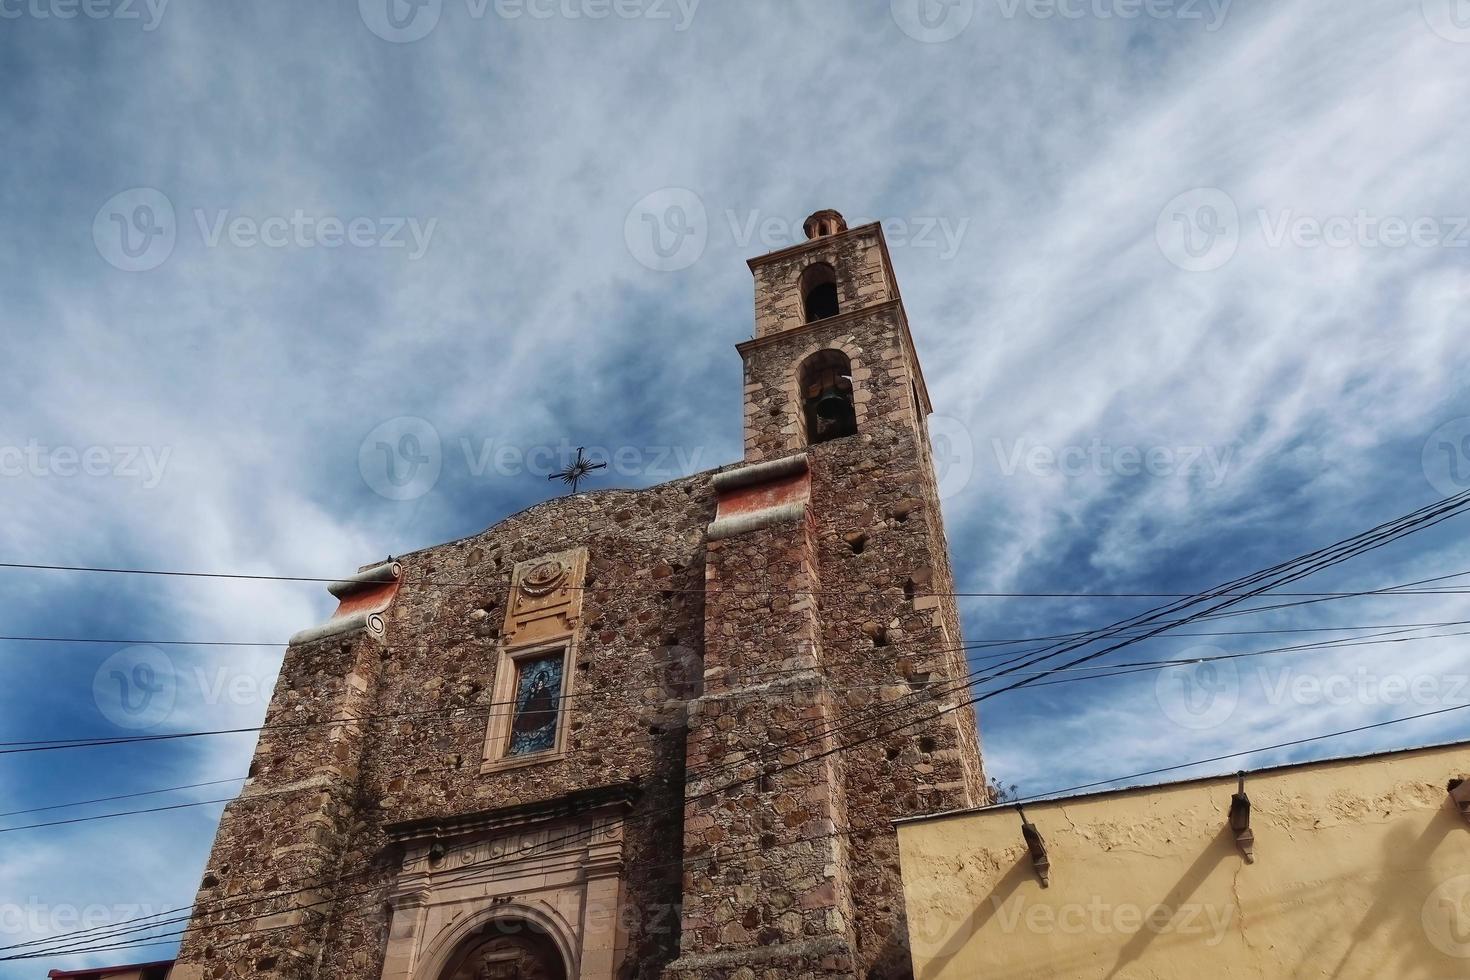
x,y
823,223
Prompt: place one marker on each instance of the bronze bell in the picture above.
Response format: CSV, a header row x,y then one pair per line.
x,y
835,399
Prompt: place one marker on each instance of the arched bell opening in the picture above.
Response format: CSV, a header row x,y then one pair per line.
x,y
826,391
507,949
819,292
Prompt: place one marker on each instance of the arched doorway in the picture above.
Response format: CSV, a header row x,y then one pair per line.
x,y
507,949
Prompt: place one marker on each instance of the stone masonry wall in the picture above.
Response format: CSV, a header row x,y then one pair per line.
x,y
766,883
886,606
267,888
421,756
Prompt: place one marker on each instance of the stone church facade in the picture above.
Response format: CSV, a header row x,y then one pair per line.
x,y
658,733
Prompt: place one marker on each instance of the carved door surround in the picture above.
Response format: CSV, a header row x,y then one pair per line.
x,y
549,870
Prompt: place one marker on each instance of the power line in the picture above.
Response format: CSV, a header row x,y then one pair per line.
x,y
109,816
123,796
1285,571
69,941
1235,755
968,645
1112,670
1289,571
1272,577
505,583
479,711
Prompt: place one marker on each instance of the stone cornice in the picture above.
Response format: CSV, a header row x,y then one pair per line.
x,y
755,343
814,243
618,795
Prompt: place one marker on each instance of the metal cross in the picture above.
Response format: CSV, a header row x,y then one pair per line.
x,y
580,469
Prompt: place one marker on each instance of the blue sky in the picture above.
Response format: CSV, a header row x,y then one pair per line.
x,y
1188,280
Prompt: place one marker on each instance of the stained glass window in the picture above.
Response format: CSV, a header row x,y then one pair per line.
x,y
537,705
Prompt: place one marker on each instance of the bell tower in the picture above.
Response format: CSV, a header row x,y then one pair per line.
x,y
833,671
831,354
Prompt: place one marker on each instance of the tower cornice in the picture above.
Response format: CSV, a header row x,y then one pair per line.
x,y
815,244
852,316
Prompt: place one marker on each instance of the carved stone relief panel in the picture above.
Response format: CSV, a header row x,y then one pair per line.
x,y
545,598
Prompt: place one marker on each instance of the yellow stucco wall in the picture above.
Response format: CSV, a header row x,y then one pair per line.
x,y
1362,870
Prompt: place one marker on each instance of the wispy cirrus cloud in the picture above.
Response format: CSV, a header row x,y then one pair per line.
x,y
1037,172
